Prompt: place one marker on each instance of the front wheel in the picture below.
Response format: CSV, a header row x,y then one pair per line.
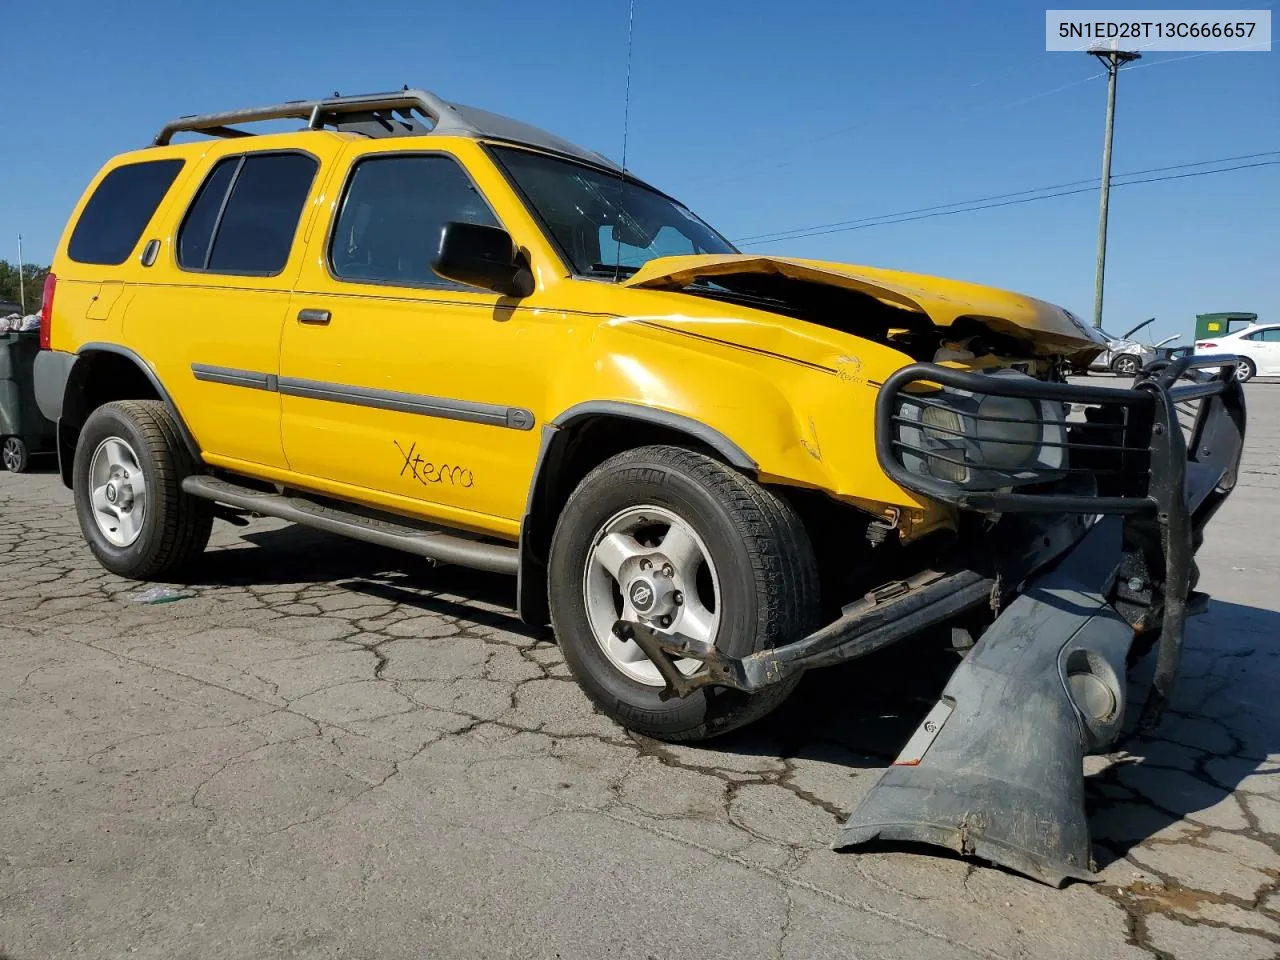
x,y
127,482
1126,365
678,541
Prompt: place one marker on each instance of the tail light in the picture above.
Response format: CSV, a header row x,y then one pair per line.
x,y
1206,344
46,311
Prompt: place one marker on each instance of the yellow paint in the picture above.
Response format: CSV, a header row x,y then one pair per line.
x,y
796,396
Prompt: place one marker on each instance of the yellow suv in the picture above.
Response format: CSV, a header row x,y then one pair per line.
x,y
438,329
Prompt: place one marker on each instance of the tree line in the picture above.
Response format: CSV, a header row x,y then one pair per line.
x,y
32,283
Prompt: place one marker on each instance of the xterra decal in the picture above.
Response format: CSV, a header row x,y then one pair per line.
x,y
427,472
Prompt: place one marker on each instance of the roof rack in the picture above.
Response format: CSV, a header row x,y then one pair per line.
x,y
398,114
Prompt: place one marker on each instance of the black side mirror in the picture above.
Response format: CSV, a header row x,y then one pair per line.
x,y
482,257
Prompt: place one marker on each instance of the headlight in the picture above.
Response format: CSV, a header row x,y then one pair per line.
x,y
981,441
1013,425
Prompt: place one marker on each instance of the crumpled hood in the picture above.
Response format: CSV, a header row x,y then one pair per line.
x,y
1049,328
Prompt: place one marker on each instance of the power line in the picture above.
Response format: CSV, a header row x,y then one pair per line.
x,y
781,234
1008,203
986,203
883,221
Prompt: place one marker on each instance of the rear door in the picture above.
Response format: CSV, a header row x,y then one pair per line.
x,y
211,323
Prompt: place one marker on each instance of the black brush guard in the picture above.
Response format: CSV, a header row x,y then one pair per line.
x,y
995,768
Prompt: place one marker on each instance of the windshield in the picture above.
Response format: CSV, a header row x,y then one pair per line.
x,y
605,226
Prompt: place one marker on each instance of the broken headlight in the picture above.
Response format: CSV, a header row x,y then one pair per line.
x,y
981,441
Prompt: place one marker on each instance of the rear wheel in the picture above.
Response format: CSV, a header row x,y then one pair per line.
x,y
676,540
1126,365
1245,369
127,478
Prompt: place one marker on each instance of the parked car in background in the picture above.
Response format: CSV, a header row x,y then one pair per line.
x,y
1257,346
1124,355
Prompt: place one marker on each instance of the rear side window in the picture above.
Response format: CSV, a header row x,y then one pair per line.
x,y
245,216
392,215
119,210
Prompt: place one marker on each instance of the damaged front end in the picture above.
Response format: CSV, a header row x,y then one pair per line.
x,y
1095,500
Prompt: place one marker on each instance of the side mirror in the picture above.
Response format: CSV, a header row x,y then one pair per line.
x,y
482,257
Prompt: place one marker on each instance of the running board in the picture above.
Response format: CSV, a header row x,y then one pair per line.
x,y
433,544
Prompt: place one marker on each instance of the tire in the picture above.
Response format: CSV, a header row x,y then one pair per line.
x,y
753,544
1245,369
1126,365
173,528
15,454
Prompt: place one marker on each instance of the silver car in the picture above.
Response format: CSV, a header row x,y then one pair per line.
x,y
1125,356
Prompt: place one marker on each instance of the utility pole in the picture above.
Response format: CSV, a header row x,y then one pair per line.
x,y
22,294
1112,59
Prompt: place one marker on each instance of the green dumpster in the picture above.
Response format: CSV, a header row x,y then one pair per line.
x,y
23,428
1220,324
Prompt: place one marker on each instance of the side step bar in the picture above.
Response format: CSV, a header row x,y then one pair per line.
x,y
435,545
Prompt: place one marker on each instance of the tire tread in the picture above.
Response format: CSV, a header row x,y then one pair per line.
x,y
185,521
784,569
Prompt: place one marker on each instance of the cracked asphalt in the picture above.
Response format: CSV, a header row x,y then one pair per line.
x,y
329,750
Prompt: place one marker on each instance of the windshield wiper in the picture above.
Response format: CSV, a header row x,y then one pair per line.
x,y
610,270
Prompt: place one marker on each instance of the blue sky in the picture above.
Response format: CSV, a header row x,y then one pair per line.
x,y
760,116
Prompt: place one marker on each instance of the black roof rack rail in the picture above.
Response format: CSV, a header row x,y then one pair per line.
x,y
398,114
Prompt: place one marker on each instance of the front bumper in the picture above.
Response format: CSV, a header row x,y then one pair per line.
x,y
994,770
1175,467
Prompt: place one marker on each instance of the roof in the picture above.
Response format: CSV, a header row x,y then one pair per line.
x,y
398,114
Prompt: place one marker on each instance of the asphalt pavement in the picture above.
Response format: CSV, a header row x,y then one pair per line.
x,y
321,749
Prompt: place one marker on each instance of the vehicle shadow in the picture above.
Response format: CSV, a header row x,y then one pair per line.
x,y
1223,722
42,463
293,554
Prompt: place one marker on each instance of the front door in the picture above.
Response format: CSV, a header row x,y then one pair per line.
x,y
401,388
1266,351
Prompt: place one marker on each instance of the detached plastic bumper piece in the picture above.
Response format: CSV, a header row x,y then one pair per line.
x,y
994,771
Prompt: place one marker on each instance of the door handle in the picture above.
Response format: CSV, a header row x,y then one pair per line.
x,y
319,318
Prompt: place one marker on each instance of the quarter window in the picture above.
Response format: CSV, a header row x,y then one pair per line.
x,y
197,230
245,216
119,210
395,207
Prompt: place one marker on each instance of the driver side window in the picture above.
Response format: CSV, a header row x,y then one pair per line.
x,y
395,207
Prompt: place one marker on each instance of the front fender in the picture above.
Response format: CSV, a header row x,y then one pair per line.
x,y
803,421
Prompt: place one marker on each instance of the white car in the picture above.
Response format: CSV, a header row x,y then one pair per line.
x,y
1258,348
